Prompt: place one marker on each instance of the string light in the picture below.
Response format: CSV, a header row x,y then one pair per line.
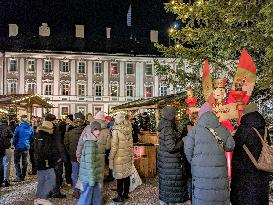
x,y
4,111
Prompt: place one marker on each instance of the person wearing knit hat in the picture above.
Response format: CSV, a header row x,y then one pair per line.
x,y
121,157
91,172
22,136
71,138
205,146
79,115
24,118
252,107
204,108
100,115
50,117
171,169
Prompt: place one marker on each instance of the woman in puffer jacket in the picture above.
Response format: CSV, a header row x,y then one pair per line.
x,y
121,156
171,163
207,158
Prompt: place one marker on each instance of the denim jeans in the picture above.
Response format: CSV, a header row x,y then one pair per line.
x,y
18,154
6,164
1,169
46,182
75,174
59,177
91,195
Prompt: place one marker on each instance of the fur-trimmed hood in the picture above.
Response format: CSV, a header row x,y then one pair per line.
x,y
46,126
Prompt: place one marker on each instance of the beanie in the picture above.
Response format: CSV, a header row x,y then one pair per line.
x,y
95,126
169,112
204,108
79,115
23,118
100,115
50,117
119,118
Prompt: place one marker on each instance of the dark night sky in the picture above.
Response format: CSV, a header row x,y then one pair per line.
x,y
96,15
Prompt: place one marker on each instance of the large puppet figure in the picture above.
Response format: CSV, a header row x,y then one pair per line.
x,y
230,106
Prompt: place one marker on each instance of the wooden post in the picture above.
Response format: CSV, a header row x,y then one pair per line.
x,y
157,116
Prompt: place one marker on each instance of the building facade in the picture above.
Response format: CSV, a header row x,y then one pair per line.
x,y
84,82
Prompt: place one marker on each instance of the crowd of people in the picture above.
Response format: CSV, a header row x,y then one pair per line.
x,y
80,145
191,164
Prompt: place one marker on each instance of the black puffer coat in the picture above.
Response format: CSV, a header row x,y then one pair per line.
x,y
249,185
171,164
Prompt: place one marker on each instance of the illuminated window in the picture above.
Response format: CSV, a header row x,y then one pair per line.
x,y
114,68
149,91
114,90
31,65
65,89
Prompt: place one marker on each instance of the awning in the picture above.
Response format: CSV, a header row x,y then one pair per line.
x,y
149,103
25,100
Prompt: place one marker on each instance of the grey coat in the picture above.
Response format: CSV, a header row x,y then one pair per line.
x,y
208,161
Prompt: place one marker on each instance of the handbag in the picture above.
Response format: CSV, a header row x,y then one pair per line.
x,y
265,161
219,141
135,179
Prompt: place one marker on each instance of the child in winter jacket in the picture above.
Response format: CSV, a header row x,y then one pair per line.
x,y
91,166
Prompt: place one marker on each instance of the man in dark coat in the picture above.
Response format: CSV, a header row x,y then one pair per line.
x,y
46,156
248,184
71,140
58,132
171,164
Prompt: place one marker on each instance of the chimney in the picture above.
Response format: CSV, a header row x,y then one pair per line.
x,y
108,33
79,31
44,30
13,30
154,36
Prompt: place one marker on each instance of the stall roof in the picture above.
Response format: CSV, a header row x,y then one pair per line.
x,y
24,100
148,103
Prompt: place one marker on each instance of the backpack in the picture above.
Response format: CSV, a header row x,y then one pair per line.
x,y
5,136
265,161
45,148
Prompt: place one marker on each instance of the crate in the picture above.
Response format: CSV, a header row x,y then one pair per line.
x,y
148,137
146,164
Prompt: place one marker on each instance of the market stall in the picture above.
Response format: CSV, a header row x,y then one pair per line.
x,y
145,150
19,104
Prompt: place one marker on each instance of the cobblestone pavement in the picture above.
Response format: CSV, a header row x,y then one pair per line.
x,y
23,193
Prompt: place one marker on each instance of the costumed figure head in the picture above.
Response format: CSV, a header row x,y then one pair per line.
x,y
219,92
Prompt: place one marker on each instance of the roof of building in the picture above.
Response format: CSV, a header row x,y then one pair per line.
x,y
62,15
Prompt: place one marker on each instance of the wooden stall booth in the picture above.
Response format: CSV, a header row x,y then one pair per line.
x,y
145,151
23,104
